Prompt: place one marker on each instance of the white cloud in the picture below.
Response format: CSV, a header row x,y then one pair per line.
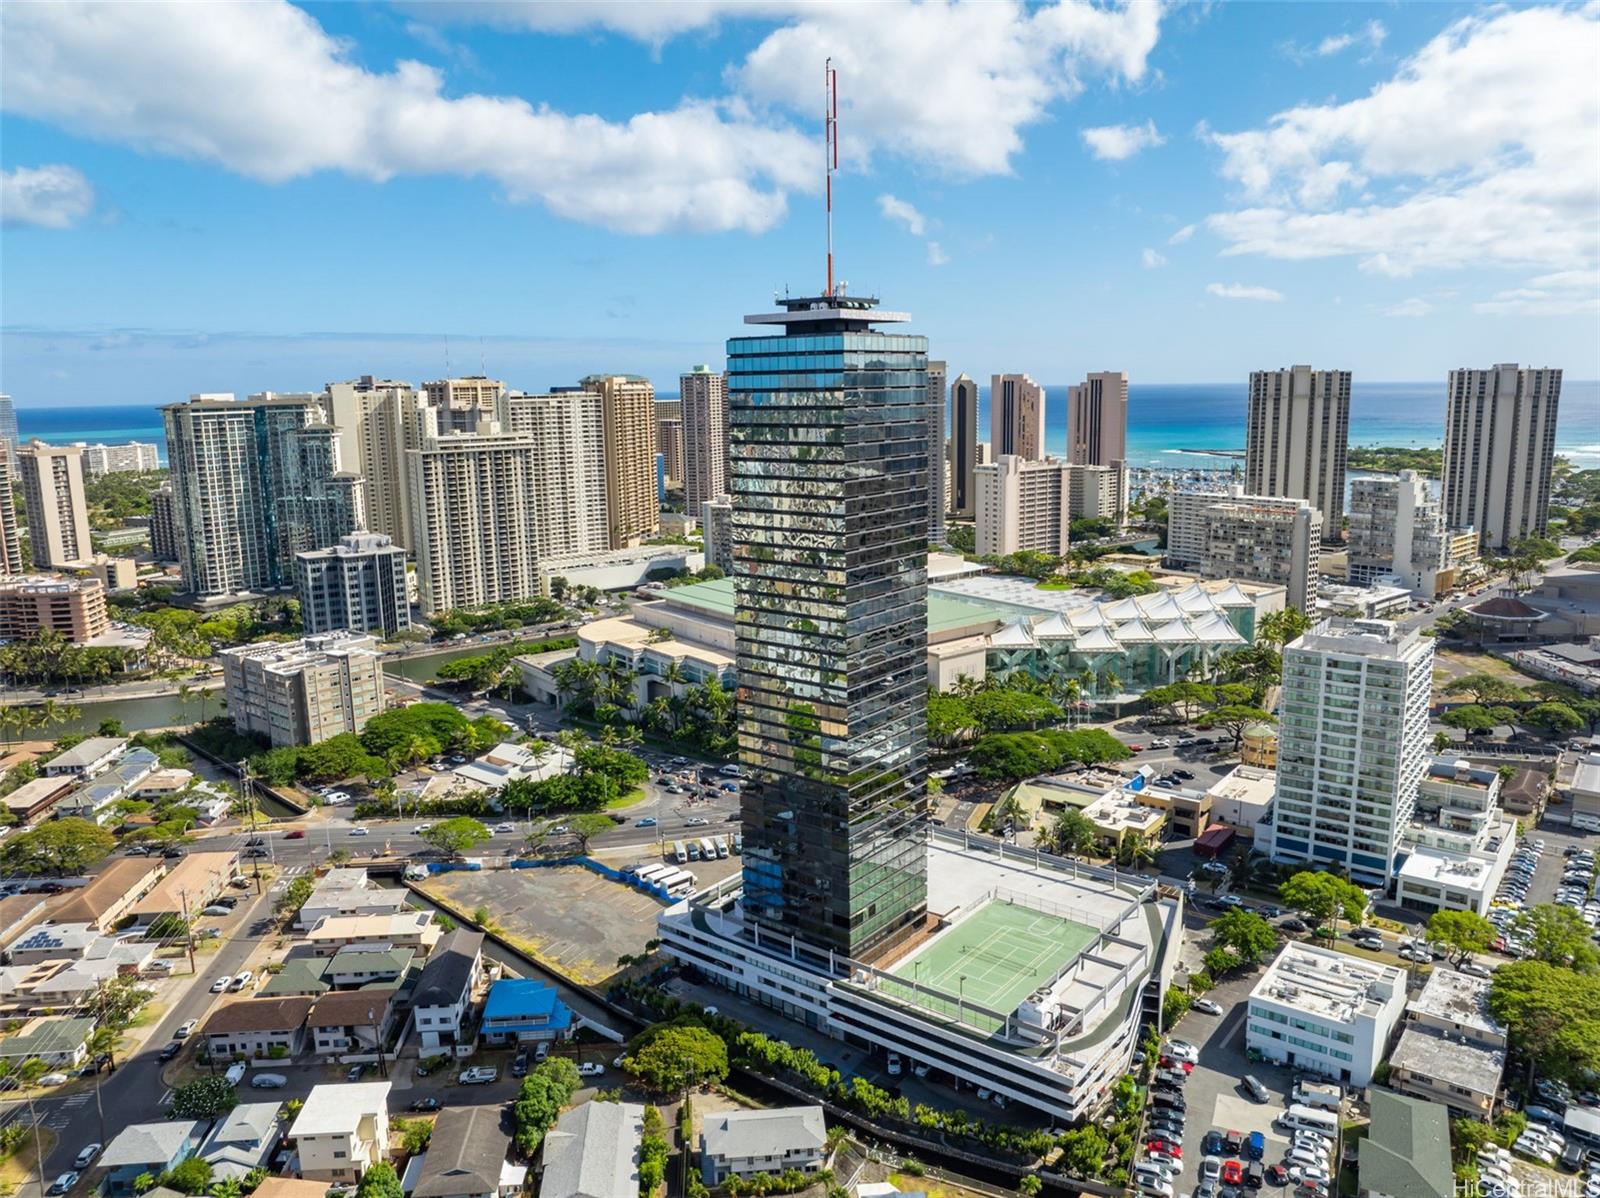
x,y
1415,306
1182,235
1242,291
264,90
1116,142
1479,151
1151,259
936,254
898,210
49,197
1371,35
1561,293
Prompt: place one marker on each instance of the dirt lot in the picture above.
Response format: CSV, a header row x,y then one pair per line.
x,y
569,916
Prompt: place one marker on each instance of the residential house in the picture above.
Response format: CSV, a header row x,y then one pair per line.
x,y
466,1157
444,993
19,913
150,1148
1525,792
744,1143
354,1021
34,799
244,1139
86,758
348,891
193,883
54,942
521,1011
91,799
74,984
342,1130
105,900
357,968
1406,1151
55,1041
164,784
593,1152
299,975
402,929
259,1028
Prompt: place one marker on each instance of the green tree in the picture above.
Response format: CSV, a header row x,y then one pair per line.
x,y
1471,719
1246,934
456,836
192,1176
1030,1185
544,1092
587,826
1484,688
1075,833
1324,898
1559,719
1219,962
204,1099
294,895
1558,935
380,1181
1084,1150
1280,627
1181,700
61,846
1552,1014
1236,717
1461,932
228,1187
672,1057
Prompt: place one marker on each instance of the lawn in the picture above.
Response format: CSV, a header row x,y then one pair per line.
x,y
21,1168
636,795
907,1183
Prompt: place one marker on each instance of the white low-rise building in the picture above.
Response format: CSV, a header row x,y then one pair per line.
x,y
1326,1012
342,1131
1058,1028
348,892
1459,843
744,1143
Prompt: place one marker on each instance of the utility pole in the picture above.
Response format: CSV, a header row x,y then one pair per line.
x,y
247,792
188,931
377,1040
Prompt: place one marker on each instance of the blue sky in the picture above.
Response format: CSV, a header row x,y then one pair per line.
x,y
268,197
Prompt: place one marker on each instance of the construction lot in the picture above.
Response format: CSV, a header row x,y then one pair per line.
x,y
574,919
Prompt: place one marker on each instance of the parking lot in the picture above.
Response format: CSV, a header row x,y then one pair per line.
x,y
1214,1096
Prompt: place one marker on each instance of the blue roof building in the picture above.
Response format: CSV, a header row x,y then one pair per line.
x,y
522,1010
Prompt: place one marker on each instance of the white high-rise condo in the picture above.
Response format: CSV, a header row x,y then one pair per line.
x,y
58,511
358,584
1297,432
130,457
1257,538
1097,419
1397,529
1023,504
1016,417
703,395
569,468
474,516
936,464
1352,745
1499,450
8,432
302,692
963,446
10,539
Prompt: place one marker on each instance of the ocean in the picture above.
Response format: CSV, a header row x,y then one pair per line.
x,y
1164,420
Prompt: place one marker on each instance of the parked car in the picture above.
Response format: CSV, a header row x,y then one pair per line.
x,y
169,1050
243,980
184,1029
216,909
86,1155
222,983
269,1081
425,1104
591,1069
1206,1006
1183,1051
65,1182
354,1073
1255,1089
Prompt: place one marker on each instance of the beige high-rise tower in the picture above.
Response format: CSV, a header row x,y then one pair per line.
x,y
1016,417
1097,419
704,394
58,511
1297,431
465,403
378,420
669,443
474,513
10,541
569,469
627,404
1499,451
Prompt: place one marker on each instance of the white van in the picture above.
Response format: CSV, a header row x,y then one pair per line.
x,y
1300,1115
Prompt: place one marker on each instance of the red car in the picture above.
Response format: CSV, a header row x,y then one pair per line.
x,y
1277,1175
1166,1146
1232,1173
1136,748
297,834
1174,1063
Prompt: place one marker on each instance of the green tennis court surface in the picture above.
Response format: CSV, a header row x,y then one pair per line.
x,y
997,956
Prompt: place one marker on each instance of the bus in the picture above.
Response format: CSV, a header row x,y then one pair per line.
x,y
707,849
679,853
1301,1116
677,883
651,872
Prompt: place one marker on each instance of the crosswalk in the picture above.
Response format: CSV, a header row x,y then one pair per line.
x,y
61,1116
289,874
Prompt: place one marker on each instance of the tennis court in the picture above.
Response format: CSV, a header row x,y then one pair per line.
x,y
998,956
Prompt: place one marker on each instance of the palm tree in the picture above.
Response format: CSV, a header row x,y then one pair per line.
x,y
1135,851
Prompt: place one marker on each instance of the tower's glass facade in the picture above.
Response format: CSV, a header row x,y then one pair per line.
x,y
829,457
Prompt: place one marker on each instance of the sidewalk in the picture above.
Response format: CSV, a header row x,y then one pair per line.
x,y
144,688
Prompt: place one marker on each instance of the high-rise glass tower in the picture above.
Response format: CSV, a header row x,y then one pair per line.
x,y
830,527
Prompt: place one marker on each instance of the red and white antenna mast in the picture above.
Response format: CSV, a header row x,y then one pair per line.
x,y
830,129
